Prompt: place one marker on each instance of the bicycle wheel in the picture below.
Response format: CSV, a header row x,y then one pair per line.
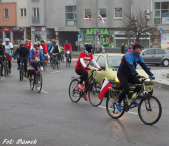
x,y
111,109
21,72
66,61
5,74
38,83
51,62
150,110
58,64
44,66
7,68
93,93
74,91
54,63
31,80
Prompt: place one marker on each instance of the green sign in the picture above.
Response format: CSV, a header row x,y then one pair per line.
x,y
93,31
88,38
50,36
107,41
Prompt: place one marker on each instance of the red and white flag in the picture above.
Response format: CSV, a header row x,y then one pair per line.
x,y
89,18
105,87
100,17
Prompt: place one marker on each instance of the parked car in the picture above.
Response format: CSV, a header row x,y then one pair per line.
x,y
110,62
156,56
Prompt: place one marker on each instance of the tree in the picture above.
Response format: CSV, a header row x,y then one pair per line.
x,y
137,25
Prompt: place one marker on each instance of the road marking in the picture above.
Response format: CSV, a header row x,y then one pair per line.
x,y
127,112
56,71
44,91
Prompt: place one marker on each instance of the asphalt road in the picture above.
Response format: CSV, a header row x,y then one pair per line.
x,y
51,119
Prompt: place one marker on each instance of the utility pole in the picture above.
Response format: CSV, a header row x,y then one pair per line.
x,y
96,21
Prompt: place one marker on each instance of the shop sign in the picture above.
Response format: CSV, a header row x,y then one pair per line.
x,y
107,41
93,31
38,29
43,28
15,28
165,20
6,29
32,28
56,29
50,36
88,38
21,28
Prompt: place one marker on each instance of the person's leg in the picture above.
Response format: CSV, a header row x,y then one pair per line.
x,y
25,65
1,67
18,62
124,83
84,75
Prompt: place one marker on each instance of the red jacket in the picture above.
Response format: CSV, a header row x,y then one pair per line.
x,y
67,47
45,48
28,45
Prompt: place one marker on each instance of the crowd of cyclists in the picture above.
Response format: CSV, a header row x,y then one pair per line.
x,y
34,53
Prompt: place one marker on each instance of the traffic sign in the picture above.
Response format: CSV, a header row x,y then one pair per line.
x,y
78,36
56,33
79,39
161,31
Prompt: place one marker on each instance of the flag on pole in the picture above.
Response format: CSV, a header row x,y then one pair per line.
x,y
89,18
105,87
100,17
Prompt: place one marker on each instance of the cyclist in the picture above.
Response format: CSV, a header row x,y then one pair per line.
x,y
67,47
51,45
28,44
81,67
23,53
2,52
36,54
55,49
127,73
8,51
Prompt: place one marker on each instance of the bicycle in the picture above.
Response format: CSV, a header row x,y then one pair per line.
x,y
55,60
67,54
146,104
6,67
62,57
36,79
22,69
93,89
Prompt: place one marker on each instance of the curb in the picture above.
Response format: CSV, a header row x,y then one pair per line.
x,y
160,85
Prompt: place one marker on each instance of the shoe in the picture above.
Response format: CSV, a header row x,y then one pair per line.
x,y
18,68
80,87
2,75
85,97
135,102
118,107
9,71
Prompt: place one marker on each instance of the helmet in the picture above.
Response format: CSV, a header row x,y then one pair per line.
x,y
88,47
48,42
36,44
26,40
7,40
66,41
1,41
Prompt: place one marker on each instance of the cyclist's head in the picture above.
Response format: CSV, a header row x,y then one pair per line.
x,y
66,42
36,46
1,41
26,40
7,40
48,42
22,44
42,41
137,48
88,47
54,43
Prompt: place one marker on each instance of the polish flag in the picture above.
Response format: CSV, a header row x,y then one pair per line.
x,y
105,87
89,18
100,17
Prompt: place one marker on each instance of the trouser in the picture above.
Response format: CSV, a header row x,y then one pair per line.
x,y
70,56
9,61
24,62
1,62
84,76
124,81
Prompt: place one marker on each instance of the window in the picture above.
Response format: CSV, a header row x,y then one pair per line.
x,y
35,0
161,12
118,12
102,12
95,58
114,61
36,11
70,12
87,13
159,51
23,12
101,61
35,17
5,14
149,52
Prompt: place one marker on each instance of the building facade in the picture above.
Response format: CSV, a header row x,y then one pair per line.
x,y
65,19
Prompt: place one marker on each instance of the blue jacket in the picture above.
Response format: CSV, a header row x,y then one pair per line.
x,y
50,46
129,62
31,56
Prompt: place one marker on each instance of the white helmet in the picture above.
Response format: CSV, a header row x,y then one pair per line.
x,y
7,40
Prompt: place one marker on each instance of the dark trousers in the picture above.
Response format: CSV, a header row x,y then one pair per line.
x,y
1,62
124,81
70,56
24,62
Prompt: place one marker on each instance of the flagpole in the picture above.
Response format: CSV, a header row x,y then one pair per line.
x,y
96,22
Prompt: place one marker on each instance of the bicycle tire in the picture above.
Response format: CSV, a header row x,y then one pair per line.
x,y
148,101
73,84
66,61
5,74
93,93
58,64
38,83
21,72
111,110
44,66
54,63
7,68
31,80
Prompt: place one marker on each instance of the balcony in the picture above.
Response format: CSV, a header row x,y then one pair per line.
x,y
35,19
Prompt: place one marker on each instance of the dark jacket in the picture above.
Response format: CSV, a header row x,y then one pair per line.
x,y
2,51
22,51
129,62
122,49
55,50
